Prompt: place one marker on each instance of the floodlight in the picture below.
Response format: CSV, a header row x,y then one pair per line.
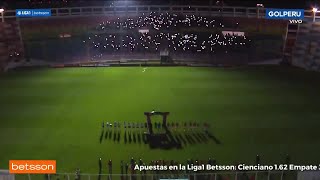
x,y
2,14
314,9
260,5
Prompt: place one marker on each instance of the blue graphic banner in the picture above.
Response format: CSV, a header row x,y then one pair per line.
x,y
285,14
33,12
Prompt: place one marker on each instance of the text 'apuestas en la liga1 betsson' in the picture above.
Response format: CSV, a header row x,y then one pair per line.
x,y
181,167
239,167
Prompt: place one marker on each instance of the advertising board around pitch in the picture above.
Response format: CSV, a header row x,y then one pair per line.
x,y
176,179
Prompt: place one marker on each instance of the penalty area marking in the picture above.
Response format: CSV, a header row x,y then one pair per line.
x,y
144,69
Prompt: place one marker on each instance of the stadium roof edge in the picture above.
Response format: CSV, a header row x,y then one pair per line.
x,y
224,11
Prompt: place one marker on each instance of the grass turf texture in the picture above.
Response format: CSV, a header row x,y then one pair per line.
x,y
57,113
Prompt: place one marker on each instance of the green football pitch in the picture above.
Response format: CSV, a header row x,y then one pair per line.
x,y
57,114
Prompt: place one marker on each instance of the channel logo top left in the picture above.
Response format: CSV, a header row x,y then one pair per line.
x,y
32,166
33,12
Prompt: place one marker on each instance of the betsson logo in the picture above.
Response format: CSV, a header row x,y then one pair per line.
x,y
32,166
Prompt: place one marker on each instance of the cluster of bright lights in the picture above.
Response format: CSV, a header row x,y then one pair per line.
x,y
175,42
162,31
38,2
161,21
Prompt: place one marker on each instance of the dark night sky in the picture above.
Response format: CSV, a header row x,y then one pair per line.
x,y
275,3
306,4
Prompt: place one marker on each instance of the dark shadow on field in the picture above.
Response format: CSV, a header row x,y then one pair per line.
x,y
144,138
197,139
190,138
114,136
106,135
101,136
139,137
134,137
176,137
125,137
118,138
130,137
163,140
182,139
215,139
178,140
203,137
200,137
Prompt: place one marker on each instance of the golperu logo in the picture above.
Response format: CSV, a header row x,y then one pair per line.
x,y
32,166
285,14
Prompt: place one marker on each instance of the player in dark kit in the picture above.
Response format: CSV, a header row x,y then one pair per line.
x,y
288,159
144,171
100,164
127,167
110,166
121,167
107,125
257,159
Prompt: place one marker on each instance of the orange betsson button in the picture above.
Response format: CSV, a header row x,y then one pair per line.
x,y
32,166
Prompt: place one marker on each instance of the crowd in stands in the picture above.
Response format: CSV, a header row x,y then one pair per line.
x,y
161,22
154,32
175,42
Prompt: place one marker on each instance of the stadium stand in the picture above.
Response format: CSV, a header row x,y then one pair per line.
x,y
10,43
172,31
306,51
187,37
184,33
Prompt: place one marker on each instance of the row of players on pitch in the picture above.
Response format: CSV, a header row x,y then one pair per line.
x,y
156,125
